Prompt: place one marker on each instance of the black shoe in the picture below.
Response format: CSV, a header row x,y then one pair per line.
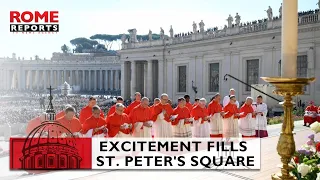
x,y
304,125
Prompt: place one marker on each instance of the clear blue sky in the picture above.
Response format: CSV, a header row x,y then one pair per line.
x,y
83,18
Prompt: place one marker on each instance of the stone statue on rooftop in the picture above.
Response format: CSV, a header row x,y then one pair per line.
x,y
230,21
238,19
123,38
318,4
280,10
161,33
150,35
201,25
194,25
270,14
171,32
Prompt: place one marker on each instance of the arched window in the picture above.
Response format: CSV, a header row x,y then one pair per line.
x,y
40,161
51,161
62,162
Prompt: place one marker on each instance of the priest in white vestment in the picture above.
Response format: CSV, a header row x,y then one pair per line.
x,y
226,99
261,110
162,117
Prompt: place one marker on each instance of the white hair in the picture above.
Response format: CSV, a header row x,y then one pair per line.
x,y
232,90
119,105
164,94
249,98
145,99
203,100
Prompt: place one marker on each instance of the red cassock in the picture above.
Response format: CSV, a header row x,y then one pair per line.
x,y
189,106
60,115
230,110
198,112
73,125
213,108
183,113
92,123
159,108
131,106
114,123
245,110
86,113
140,114
308,119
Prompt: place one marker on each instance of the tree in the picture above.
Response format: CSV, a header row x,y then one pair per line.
x,y
65,49
106,39
83,43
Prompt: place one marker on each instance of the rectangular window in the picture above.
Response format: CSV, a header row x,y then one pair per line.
x,y
182,78
302,67
252,73
214,77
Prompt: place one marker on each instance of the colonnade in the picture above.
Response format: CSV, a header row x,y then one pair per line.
x,y
37,79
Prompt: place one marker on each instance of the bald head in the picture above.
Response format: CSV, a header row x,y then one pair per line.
x,y
164,98
119,108
145,102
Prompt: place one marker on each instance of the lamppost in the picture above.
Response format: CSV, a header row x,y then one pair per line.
x,y
194,89
288,85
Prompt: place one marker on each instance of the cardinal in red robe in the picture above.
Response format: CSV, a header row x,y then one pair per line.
x,y
188,104
230,119
310,115
62,112
201,127
113,108
70,122
140,117
135,103
95,122
215,113
32,124
86,112
162,118
247,121
181,124
119,125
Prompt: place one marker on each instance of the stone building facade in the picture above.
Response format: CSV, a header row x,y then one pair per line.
x,y
84,72
177,64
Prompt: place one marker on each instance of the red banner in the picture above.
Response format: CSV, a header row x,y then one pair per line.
x,y
49,153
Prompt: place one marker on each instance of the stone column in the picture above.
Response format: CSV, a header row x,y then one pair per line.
x,y
133,79
95,80
76,78
124,82
59,77
100,80
30,80
311,63
106,81
90,82
83,87
37,79
111,80
71,78
65,76
161,74
44,79
149,80
51,78
289,38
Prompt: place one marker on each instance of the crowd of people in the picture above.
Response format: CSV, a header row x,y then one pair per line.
x,y
161,120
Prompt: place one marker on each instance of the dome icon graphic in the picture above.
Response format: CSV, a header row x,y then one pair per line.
x,y
45,149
